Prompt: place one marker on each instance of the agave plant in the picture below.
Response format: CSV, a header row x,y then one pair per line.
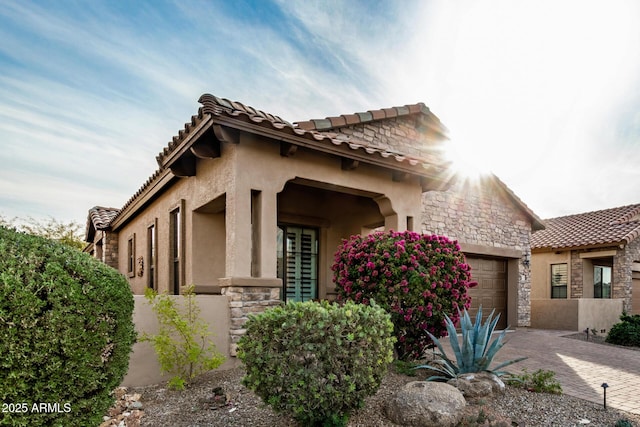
x,y
475,354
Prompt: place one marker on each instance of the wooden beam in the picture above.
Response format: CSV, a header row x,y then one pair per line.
x,y
206,149
399,176
225,134
184,166
287,149
349,164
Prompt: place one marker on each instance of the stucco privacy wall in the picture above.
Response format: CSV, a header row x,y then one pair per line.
x,y
144,368
480,216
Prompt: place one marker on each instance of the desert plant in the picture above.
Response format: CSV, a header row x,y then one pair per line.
x,y
317,361
419,279
66,333
183,342
476,352
626,332
540,381
623,422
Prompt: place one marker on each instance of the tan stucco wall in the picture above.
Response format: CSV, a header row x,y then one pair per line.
x,y
576,314
144,368
541,273
218,239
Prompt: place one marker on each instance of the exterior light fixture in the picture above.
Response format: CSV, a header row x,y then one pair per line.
x,y
526,259
605,386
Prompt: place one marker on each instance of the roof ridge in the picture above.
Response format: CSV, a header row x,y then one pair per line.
x,y
636,206
333,122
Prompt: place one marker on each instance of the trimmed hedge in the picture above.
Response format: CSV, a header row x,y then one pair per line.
x,y
65,336
626,332
317,361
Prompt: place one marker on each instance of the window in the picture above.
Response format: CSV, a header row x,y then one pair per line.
x,y
601,281
151,256
298,262
176,247
131,256
559,280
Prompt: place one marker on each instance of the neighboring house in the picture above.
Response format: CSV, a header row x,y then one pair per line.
x,y
586,269
249,206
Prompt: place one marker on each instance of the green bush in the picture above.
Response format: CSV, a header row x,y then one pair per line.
x,y
317,361
65,336
418,278
182,343
627,332
539,381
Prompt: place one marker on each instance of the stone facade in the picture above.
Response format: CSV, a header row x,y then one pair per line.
x,y
482,215
243,301
406,135
622,273
110,248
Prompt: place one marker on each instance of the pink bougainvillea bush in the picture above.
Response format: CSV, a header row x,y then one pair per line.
x,y
417,278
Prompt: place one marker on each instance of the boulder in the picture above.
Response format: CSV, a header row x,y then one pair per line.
x,y
426,404
478,384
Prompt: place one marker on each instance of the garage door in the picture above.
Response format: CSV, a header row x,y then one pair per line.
x,y
491,292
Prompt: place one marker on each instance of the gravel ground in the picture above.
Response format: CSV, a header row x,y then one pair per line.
x,y
234,405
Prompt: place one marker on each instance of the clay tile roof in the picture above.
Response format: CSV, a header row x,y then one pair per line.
x,y
367,116
608,226
101,216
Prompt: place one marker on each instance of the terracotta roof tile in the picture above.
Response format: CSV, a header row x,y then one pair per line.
x,y
608,226
101,216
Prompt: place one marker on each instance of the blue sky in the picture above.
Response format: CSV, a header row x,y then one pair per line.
x,y
545,94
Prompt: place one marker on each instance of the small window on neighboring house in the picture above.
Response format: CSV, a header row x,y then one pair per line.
x,y
559,280
601,281
151,256
131,255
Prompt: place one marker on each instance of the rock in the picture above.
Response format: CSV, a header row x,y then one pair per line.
x,y
478,384
426,404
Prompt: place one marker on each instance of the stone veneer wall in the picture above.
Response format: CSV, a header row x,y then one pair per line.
x,y
622,274
406,135
110,248
244,301
481,214
577,281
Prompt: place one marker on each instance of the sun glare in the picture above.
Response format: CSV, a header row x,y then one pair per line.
x,y
466,163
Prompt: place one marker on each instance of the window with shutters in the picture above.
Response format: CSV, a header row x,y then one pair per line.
x,y
298,262
559,280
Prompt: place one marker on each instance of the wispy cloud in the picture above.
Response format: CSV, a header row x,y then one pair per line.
x,y
545,92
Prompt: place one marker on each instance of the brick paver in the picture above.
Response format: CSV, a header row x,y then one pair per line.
x,y
581,367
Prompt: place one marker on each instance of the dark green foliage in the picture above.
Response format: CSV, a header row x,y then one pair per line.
x,y
317,361
623,422
540,381
66,332
627,332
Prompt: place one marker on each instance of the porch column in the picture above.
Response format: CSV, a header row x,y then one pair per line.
x,y
250,283
238,234
399,216
268,233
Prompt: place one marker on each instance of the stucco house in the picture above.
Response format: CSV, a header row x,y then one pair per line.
x,y
250,207
586,269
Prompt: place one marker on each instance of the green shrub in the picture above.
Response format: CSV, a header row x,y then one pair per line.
x,y
540,381
418,278
65,336
626,332
182,343
317,361
475,354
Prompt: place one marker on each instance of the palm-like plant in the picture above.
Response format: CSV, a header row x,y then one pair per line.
x,y
475,354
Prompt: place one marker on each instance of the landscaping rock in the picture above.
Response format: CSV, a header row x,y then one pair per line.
x,y
426,404
479,384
